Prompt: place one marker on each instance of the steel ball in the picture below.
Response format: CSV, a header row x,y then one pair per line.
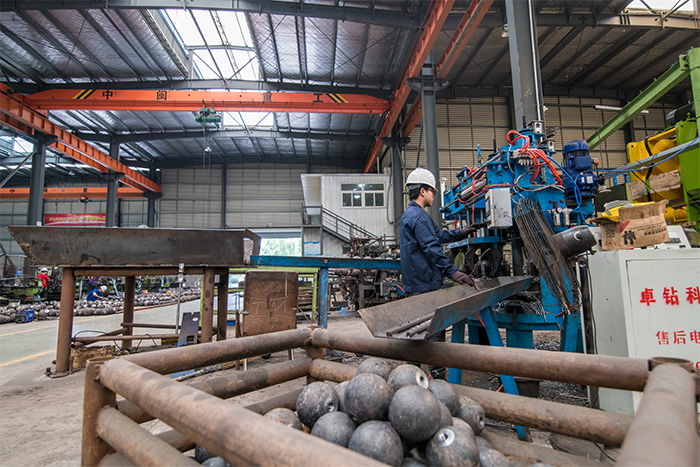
x,y
340,389
414,413
471,412
451,447
411,462
315,400
376,366
285,417
483,443
493,458
445,416
404,375
215,462
201,454
379,441
367,397
445,393
336,427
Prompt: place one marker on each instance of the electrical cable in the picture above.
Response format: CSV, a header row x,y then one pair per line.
x,y
657,163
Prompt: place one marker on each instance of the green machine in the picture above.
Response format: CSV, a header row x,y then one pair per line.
x,y
683,127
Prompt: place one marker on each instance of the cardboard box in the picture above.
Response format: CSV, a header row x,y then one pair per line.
x,y
637,226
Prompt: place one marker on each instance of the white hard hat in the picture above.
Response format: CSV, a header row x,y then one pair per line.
x,y
421,176
44,270
103,288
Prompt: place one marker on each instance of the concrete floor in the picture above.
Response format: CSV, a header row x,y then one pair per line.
x,y
41,417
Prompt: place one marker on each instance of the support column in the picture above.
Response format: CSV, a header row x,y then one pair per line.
x,y
223,195
222,306
128,317
112,179
96,397
524,62
152,197
65,321
324,299
432,157
37,180
207,304
397,144
111,211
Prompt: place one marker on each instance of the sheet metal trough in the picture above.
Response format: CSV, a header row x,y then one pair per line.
x,y
426,315
105,247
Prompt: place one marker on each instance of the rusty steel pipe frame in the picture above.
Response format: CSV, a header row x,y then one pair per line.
x,y
76,344
195,356
287,400
222,305
129,298
587,370
664,429
234,433
65,321
207,304
225,387
136,444
579,422
107,337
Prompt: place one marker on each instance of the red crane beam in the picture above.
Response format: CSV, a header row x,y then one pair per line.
x,y
71,193
192,101
433,25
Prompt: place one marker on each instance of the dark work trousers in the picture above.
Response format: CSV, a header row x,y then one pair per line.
x,y
436,372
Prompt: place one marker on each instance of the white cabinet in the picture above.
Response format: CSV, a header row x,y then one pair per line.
x,y
645,304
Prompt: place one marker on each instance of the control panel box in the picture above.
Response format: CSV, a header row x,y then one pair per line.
x,y
498,208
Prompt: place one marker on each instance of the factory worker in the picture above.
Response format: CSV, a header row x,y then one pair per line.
x,y
423,263
43,276
97,294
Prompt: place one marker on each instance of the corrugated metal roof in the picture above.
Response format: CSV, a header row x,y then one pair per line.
x,y
314,46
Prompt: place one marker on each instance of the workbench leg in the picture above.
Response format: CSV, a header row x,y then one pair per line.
x,y
95,398
65,321
508,381
129,292
324,299
207,304
222,307
454,375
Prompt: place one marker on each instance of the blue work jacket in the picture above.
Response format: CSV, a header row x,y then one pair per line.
x,y
423,263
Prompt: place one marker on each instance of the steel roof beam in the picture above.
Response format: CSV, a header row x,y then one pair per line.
x,y
77,99
621,20
154,136
167,38
613,50
424,45
561,45
575,57
395,19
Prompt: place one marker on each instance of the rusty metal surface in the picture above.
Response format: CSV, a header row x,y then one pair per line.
x,y
136,444
231,432
196,356
426,315
579,422
587,370
96,397
529,453
270,301
65,321
664,428
122,247
233,384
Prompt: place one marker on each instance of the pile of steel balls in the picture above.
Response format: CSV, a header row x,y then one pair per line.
x,y
396,416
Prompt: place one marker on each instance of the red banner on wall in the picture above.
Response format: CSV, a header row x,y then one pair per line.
x,y
75,219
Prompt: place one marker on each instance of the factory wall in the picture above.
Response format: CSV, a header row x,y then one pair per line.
x,y
465,123
257,196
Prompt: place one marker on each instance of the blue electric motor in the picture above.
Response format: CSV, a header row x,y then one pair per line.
x,y
578,166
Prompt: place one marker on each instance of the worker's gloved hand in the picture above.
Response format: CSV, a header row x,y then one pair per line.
x,y
463,278
469,230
